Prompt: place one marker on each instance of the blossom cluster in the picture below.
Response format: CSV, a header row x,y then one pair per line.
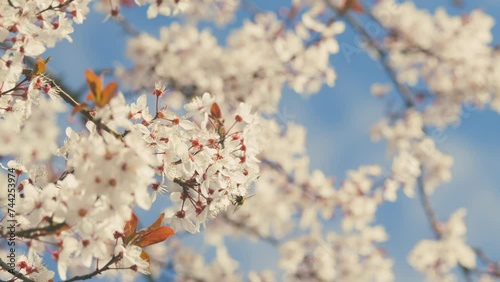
x,y
29,27
414,152
209,162
453,55
254,66
436,258
86,209
206,137
220,11
350,257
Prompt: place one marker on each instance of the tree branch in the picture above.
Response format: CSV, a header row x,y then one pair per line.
x,y
40,231
426,204
113,260
381,52
62,5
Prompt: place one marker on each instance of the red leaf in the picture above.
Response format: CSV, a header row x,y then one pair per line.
x,y
156,224
131,227
100,96
155,236
94,83
215,111
354,5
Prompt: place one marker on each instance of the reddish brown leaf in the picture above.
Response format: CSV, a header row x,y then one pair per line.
x,y
100,96
155,236
157,223
215,111
131,226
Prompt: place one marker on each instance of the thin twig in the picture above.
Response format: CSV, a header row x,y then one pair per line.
x,y
127,27
14,88
426,204
113,260
62,5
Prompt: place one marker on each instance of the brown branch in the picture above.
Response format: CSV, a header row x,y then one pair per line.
x,y
492,268
127,27
113,260
40,231
426,204
381,52
62,5
14,88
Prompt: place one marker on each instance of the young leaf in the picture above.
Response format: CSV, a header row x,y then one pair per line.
x,y
131,227
40,66
100,96
156,236
215,111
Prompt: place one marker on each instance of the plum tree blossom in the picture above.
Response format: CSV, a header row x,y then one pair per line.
x,y
191,127
436,258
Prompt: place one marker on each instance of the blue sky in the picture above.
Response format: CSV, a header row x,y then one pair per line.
x,y
338,121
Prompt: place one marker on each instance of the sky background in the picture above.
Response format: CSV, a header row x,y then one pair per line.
x,y
338,122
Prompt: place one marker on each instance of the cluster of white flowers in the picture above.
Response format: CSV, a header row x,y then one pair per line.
x,y
155,7
451,54
437,258
30,266
226,147
29,27
258,60
191,266
220,11
108,176
349,257
31,134
209,163
414,151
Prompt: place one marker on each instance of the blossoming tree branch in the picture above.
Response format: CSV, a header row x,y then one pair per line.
x,y
200,138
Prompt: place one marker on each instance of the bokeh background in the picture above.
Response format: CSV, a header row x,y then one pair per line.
x,y
338,122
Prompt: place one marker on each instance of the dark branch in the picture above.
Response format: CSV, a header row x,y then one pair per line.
x,y
113,260
62,5
40,231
